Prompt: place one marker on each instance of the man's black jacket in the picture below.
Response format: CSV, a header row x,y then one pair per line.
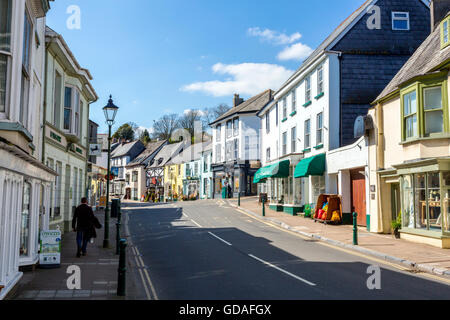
x,y
84,219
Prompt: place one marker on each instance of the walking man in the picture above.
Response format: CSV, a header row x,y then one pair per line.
x,y
83,222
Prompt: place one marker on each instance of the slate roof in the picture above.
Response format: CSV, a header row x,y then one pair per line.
x,y
328,41
192,153
151,148
253,104
123,150
164,155
426,60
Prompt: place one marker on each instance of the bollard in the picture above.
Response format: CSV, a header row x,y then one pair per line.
x,y
264,207
239,199
121,281
119,212
118,238
355,229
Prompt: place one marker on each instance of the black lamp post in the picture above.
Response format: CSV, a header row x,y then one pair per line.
x,y
110,111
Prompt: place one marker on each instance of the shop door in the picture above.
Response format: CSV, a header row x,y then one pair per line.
x,y
395,200
358,183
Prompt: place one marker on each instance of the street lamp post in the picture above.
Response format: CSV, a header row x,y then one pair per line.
x,y
110,111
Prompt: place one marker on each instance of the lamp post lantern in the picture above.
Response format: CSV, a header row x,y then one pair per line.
x,y
110,111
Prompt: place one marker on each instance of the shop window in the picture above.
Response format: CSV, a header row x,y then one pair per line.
x,y
446,194
25,221
422,201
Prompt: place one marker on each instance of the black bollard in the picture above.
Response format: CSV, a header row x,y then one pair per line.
x,y
121,281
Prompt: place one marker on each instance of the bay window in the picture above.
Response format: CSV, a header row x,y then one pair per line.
x,y
26,71
425,110
5,49
68,109
218,132
410,115
57,100
76,130
229,129
434,115
235,127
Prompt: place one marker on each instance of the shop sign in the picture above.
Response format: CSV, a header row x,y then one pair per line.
x,y
55,136
95,150
50,248
102,202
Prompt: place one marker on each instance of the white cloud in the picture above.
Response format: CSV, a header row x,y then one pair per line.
x,y
244,78
185,112
274,37
141,129
298,51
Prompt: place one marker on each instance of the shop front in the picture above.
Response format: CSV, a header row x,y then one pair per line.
x,y
311,178
425,201
235,177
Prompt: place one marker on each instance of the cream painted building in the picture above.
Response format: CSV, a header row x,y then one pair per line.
x,y
25,183
68,94
409,151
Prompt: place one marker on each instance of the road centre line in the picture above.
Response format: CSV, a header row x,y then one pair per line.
x,y
219,238
282,270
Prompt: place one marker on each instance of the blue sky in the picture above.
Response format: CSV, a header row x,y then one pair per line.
x,y
167,56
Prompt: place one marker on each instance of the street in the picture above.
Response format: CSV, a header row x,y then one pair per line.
x,y
208,251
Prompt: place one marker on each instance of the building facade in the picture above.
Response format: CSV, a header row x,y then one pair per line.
x,y
315,110
25,183
122,155
206,176
157,175
409,151
136,175
68,95
236,146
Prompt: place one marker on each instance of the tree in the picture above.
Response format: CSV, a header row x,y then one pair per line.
x,y
126,132
189,120
211,114
165,126
145,137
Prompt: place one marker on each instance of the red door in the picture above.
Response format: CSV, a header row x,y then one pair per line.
x,y
358,182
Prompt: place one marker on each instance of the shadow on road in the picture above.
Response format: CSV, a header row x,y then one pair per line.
x,y
190,263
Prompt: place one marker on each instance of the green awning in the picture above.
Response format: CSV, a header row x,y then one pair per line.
x,y
277,170
314,166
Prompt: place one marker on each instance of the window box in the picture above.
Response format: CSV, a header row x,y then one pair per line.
x,y
307,150
320,95
293,113
307,104
320,146
284,120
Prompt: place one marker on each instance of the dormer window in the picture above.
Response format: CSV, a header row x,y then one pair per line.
x,y
400,21
445,30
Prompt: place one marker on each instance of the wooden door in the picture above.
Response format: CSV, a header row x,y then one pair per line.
x,y
358,183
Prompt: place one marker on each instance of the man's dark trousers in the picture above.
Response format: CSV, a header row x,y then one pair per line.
x,y
82,241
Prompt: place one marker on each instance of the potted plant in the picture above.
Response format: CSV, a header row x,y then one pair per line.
x,y
396,226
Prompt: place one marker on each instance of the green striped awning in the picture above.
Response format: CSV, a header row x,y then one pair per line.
x,y
277,170
314,166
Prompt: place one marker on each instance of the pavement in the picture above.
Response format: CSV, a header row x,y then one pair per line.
x,y
210,250
99,272
420,257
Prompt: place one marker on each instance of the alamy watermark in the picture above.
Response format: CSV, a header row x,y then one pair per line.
x,y
74,280
374,281
74,20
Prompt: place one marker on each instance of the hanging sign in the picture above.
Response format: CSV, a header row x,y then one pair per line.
x,y
50,249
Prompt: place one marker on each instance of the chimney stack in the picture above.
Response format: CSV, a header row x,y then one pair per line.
x,y
237,100
438,10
